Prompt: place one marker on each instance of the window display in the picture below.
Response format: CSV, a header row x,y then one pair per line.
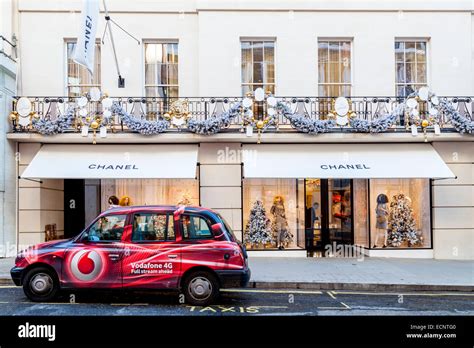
x,y
400,213
270,211
361,212
149,192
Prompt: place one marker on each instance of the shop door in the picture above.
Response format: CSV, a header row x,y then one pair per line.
x,y
328,217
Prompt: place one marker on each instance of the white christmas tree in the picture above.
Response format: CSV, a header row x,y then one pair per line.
x,y
258,229
402,224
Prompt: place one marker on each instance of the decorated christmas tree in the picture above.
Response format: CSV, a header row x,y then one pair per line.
x,y
401,226
258,229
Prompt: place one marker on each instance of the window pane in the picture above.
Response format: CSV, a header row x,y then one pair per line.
x,y
410,71
269,89
152,227
257,51
246,52
150,74
322,51
162,74
410,52
334,72
195,227
323,69
150,92
269,73
257,72
173,74
334,51
400,208
399,52
246,72
421,52
269,52
107,228
346,62
421,73
400,73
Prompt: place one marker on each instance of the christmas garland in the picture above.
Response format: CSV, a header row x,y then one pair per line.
x,y
214,124
378,125
305,124
461,123
47,126
144,127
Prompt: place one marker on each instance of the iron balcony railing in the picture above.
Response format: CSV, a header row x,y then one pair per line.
x,y
202,108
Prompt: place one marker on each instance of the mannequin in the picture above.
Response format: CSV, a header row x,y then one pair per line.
x,y
381,224
280,224
125,201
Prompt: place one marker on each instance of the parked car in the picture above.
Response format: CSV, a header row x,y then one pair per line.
x,y
190,249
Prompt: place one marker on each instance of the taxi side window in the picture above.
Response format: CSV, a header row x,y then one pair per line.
x,y
107,228
152,227
195,227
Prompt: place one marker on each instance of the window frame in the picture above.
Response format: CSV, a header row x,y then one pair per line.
x,y
350,40
66,67
208,223
263,84
169,217
145,42
426,41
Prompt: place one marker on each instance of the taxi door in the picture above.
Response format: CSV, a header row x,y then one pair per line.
x,y
151,258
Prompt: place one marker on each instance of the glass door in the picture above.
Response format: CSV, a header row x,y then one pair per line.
x,y
328,215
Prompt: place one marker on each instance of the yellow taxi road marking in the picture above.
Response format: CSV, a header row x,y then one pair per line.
x,y
273,291
120,304
8,286
2,302
331,294
399,293
49,303
345,305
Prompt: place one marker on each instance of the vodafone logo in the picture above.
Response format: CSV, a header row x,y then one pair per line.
x,y
86,265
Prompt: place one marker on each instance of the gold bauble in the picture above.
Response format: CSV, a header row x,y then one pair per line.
x,y
13,116
35,115
94,124
88,119
167,115
425,123
260,124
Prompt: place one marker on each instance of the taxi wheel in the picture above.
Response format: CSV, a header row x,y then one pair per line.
x,y
201,288
40,284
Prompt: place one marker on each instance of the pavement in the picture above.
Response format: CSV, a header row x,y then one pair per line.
x,y
367,274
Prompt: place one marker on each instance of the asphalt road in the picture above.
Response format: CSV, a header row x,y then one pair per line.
x,y
242,302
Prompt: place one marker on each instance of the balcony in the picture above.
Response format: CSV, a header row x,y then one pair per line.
x,y
248,115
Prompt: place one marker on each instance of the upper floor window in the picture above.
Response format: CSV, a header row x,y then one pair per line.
x,y
161,70
79,80
410,66
258,65
334,67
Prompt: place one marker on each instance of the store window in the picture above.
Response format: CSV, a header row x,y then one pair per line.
x,y
79,79
400,213
258,65
410,66
270,210
334,67
161,69
150,192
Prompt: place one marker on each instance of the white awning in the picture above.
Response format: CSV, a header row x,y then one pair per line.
x,y
80,161
343,161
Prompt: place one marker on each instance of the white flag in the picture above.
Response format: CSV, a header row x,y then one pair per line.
x,y
85,47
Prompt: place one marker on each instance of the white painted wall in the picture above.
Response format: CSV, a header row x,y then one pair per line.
x,y
209,34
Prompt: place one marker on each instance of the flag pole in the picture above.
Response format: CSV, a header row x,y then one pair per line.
x,y
121,80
